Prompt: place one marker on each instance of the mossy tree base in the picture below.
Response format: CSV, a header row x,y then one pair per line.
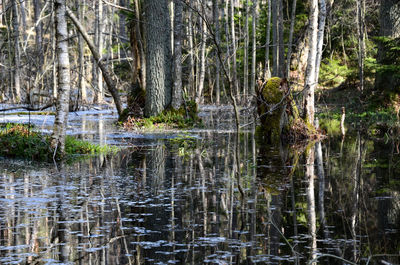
x,y
279,115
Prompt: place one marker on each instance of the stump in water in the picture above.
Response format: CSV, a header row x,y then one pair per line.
x,y
280,118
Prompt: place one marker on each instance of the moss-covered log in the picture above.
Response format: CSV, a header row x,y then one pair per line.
x,y
279,115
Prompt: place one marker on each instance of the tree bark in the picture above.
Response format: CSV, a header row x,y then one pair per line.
x,y
178,27
81,59
217,63
275,38
267,70
320,36
309,86
62,104
361,40
17,53
158,57
106,74
254,49
234,48
246,51
202,73
289,52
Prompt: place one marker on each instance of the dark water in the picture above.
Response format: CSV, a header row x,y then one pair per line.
x,y
179,198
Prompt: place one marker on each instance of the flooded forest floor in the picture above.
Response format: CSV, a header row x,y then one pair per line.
x,y
187,197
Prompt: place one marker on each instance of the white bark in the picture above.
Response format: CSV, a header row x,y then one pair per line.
x,y
254,49
62,104
199,94
310,84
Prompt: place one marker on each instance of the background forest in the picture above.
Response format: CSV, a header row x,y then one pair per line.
x,y
209,49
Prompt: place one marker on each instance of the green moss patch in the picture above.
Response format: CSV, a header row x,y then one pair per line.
x,y
184,117
20,141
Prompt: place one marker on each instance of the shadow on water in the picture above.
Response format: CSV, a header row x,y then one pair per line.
x,y
180,200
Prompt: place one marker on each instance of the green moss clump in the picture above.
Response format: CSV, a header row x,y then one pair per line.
x,y
184,117
279,115
20,141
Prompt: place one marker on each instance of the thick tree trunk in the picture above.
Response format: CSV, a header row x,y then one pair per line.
x,y
106,74
178,28
158,57
309,86
62,104
389,27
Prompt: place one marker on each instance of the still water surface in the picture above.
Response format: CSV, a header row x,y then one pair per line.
x,y
178,198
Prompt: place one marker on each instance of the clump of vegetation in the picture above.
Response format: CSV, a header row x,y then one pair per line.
x,y
279,116
184,117
21,141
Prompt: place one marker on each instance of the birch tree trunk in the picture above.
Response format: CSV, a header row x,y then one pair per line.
x,y
320,37
254,49
202,73
62,104
158,57
234,48
81,60
100,43
267,70
17,53
178,27
309,85
246,51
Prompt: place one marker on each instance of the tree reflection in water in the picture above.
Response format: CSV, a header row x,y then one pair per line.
x,y
158,204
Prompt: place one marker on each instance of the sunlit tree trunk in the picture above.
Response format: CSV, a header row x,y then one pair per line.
x,y
246,51
99,41
202,73
309,86
267,70
178,28
81,60
254,49
320,36
234,49
191,85
158,57
62,104
17,53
